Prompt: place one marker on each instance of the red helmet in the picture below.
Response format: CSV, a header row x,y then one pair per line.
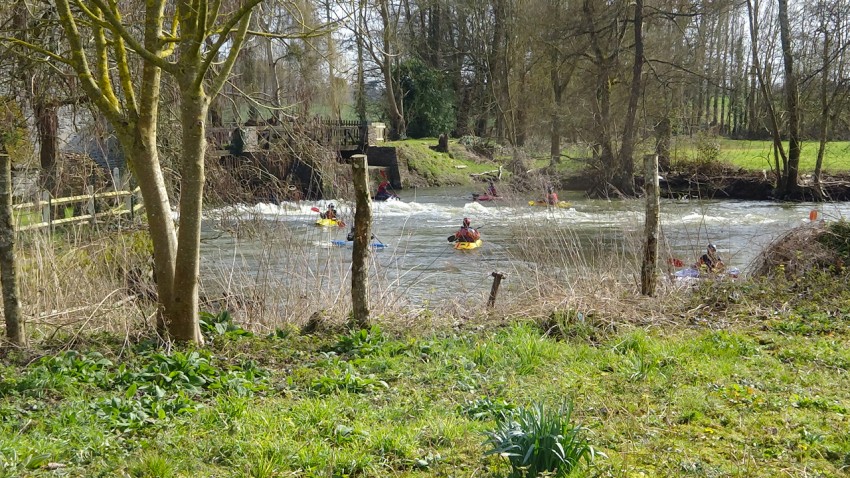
x,y
466,222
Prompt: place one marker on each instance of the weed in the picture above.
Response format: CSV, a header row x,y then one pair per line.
x,y
152,466
347,380
221,325
486,409
537,441
360,343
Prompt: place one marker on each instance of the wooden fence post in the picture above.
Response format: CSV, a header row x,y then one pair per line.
x,y
90,205
362,237
497,280
8,272
650,250
47,210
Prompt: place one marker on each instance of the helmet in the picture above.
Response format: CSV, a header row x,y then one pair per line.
x,y
712,247
466,222
331,206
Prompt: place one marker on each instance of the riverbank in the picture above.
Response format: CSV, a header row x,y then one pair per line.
x,y
734,379
729,176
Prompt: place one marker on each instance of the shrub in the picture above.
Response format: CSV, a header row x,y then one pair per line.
x,y
537,441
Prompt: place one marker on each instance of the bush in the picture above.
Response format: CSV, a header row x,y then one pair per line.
x,y
537,441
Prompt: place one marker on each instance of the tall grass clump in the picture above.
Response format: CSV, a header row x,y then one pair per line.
x,y
538,441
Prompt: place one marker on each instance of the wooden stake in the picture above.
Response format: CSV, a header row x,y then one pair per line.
x,y
362,235
497,280
650,250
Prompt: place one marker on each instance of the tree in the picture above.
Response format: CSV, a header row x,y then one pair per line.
x,y
12,130
790,186
428,102
194,35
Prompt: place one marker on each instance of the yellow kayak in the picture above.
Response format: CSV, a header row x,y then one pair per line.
x,y
561,204
465,246
328,223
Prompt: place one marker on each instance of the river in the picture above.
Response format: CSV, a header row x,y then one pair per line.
x,y
420,268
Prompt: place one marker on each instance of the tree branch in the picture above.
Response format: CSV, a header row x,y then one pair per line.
x,y
238,41
222,39
118,28
80,63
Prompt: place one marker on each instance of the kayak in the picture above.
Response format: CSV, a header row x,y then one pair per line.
x,y
561,204
691,273
378,246
329,223
466,246
390,197
485,197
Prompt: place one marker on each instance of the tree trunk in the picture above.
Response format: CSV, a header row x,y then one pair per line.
x,y
558,94
824,118
779,150
650,249
8,272
47,125
624,178
398,126
792,95
193,112
362,237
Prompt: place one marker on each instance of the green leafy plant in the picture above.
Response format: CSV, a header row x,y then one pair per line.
x,y
538,441
221,324
485,409
361,342
345,380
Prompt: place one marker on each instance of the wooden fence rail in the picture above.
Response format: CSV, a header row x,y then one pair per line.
x,y
130,205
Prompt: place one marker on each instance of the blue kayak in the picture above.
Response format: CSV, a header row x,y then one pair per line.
x,y
375,245
691,273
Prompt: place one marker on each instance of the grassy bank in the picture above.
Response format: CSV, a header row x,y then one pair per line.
x,y
426,167
758,155
746,379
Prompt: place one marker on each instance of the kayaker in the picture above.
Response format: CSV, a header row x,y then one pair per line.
x,y
350,236
711,261
383,194
551,197
491,189
465,233
330,213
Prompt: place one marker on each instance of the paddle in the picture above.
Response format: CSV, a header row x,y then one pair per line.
x,y
339,222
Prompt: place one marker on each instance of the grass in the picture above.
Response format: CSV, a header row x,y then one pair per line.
x,y
758,155
739,386
440,169
746,154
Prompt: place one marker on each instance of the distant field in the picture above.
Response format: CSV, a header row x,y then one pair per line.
x,y
758,155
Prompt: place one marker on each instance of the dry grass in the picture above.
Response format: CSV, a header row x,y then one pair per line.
x,y
796,252
105,284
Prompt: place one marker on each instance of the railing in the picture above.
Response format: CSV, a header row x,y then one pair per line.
x,y
129,205
342,135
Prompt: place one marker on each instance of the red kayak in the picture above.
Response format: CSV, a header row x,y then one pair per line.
x,y
485,197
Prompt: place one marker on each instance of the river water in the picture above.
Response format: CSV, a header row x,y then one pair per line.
x,y
420,267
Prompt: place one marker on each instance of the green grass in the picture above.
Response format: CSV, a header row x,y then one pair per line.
x,y
440,169
758,155
762,389
749,155
25,217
